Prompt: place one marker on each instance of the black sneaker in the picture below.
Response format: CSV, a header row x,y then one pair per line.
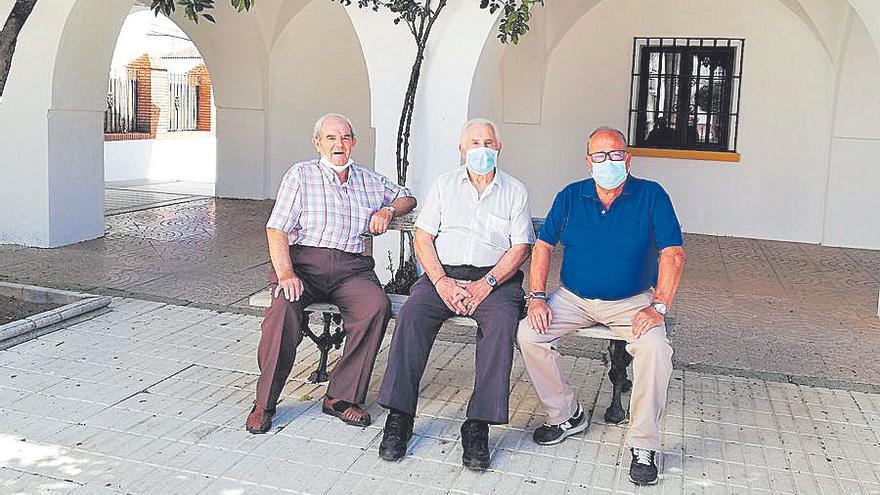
x,y
398,430
548,434
643,470
475,443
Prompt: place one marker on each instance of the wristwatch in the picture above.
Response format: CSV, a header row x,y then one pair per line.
x,y
491,280
537,295
392,209
660,308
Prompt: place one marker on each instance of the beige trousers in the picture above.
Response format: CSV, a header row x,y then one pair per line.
x,y
652,360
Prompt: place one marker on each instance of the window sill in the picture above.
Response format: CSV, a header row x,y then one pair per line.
x,y
715,156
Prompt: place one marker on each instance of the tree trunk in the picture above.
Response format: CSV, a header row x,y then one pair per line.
x,y
8,36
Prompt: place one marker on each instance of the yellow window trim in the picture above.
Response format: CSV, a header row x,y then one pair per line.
x,y
715,156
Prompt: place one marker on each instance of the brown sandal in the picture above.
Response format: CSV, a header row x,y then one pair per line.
x,y
346,411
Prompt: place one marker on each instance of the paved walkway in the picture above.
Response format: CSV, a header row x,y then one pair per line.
x,y
782,311
129,196
150,398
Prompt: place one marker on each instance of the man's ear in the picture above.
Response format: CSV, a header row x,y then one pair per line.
x,y
316,141
629,158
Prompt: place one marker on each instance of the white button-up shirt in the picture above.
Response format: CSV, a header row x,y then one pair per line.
x,y
474,229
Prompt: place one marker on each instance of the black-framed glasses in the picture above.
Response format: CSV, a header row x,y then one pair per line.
x,y
601,156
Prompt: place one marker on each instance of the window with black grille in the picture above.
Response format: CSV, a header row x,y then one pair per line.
x,y
685,93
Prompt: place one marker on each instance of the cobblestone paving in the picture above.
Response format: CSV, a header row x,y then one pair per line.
x,y
150,398
777,310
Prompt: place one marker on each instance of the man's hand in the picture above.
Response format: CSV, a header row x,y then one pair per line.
x,y
380,221
452,294
292,287
477,291
540,316
645,320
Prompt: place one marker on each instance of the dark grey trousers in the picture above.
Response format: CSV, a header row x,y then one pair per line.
x,y
416,329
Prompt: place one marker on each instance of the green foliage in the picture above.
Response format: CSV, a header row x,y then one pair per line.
x,y
194,9
513,22
515,16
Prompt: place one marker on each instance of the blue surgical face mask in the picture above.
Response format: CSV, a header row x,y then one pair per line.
x,y
609,174
481,161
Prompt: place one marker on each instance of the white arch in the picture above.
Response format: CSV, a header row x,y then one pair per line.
x,y
553,22
318,67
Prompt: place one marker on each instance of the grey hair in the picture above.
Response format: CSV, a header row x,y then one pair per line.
x,y
480,121
319,124
606,128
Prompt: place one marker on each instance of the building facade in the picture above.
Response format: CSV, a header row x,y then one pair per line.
x,y
807,136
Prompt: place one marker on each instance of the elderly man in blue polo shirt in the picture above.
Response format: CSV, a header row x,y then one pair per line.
x,y
621,267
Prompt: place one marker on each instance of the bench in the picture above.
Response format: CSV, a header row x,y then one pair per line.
x,y
333,334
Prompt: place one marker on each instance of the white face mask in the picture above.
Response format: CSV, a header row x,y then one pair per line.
x,y
336,168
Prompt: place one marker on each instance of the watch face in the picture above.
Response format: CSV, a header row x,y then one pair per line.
x,y
660,307
491,280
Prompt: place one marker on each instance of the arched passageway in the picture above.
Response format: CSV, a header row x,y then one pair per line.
x,y
807,125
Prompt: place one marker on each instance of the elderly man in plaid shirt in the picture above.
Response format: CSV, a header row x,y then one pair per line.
x,y
316,236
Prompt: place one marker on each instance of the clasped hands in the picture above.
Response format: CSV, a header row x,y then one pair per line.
x,y
462,296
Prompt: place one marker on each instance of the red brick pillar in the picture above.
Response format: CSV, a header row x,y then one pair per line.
x,y
147,120
199,75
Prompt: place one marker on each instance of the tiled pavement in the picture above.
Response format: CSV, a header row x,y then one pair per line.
x,y
150,399
130,196
776,310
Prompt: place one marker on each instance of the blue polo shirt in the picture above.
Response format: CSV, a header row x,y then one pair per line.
x,y
611,254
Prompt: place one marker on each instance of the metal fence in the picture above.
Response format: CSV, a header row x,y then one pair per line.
x,y
184,104
121,113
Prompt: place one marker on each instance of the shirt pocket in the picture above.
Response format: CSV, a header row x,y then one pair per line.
x,y
497,231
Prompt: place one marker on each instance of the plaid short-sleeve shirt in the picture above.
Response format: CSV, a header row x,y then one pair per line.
x,y
316,209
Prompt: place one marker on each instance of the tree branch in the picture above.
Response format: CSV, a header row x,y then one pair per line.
x,y
9,36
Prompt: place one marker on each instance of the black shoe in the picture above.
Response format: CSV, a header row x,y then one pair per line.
x,y
548,434
643,470
398,431
475,443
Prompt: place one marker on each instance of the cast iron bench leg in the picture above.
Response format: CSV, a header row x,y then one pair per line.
x,y
326,341
620,359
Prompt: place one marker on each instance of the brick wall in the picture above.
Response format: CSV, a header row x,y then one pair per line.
x,y
153,99
199,75
147,115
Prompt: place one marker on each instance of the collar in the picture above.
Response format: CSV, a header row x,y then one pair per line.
x,y
462,176
330,176
588,187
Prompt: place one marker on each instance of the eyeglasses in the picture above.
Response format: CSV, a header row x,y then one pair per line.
x,y
601,156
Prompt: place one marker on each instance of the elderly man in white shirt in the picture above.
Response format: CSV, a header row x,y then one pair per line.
x,y
472,235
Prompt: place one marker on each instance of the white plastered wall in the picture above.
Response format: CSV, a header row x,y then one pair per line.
x,y
777,191
853,208
309,77
51,194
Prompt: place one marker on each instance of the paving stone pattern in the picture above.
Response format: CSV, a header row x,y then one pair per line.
x,y
150,398
776,310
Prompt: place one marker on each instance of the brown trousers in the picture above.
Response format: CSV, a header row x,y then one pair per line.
x,y
337,277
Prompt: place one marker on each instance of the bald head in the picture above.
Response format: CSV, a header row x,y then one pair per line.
x,y
606,139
